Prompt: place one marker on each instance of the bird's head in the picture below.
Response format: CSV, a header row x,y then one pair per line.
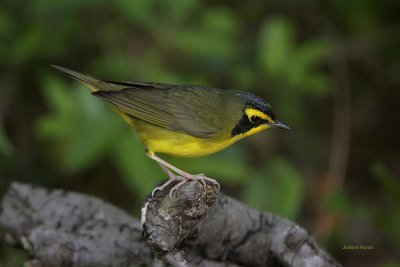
x,y
257,116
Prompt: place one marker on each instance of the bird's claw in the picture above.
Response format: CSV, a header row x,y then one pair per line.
x,y
197,177
176,187
183,180
166,184
204,178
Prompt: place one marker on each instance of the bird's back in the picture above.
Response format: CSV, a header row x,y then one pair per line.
x,y
188,118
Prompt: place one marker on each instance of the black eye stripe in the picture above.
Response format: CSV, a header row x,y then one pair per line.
x,y
246,124
242,126
254,119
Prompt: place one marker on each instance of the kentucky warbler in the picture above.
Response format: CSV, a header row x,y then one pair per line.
x,y
183,120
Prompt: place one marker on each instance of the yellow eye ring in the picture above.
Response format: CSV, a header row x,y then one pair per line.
x,y
251,113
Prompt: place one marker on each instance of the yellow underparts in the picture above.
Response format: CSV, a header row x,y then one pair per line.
x,y
161,140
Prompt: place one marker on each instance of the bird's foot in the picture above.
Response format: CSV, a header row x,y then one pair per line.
x,y
204,178
196,177
167,183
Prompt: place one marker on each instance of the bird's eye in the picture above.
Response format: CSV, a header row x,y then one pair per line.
x,y
254,119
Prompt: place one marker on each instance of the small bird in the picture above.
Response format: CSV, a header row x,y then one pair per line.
x,y
183,120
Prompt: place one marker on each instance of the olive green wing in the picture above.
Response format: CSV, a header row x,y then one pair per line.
x,y
188,109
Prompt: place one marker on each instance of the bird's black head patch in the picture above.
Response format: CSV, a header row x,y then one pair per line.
x,y
256,112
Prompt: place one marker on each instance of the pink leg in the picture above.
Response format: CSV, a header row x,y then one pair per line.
x,y
183,178
172,178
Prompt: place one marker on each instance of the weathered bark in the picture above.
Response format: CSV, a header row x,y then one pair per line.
x,y
196,227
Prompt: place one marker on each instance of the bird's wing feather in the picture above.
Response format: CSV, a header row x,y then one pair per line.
x,y
177,108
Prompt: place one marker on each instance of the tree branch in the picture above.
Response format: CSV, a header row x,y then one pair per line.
x,y
197,227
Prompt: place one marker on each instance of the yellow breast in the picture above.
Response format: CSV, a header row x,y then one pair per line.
x,y
162,140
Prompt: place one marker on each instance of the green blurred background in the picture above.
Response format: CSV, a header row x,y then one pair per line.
x,y
330,70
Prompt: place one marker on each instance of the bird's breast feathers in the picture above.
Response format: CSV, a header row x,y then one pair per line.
x,y
161,140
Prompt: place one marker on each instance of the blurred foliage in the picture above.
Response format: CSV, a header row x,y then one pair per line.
x,y
391,186
81,129
278,47
6,148
54,133
277,188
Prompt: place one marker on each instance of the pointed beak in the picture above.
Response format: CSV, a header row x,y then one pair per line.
x,y
279,124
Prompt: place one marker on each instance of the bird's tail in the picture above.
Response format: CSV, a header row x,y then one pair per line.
x,y
97,85
93,84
